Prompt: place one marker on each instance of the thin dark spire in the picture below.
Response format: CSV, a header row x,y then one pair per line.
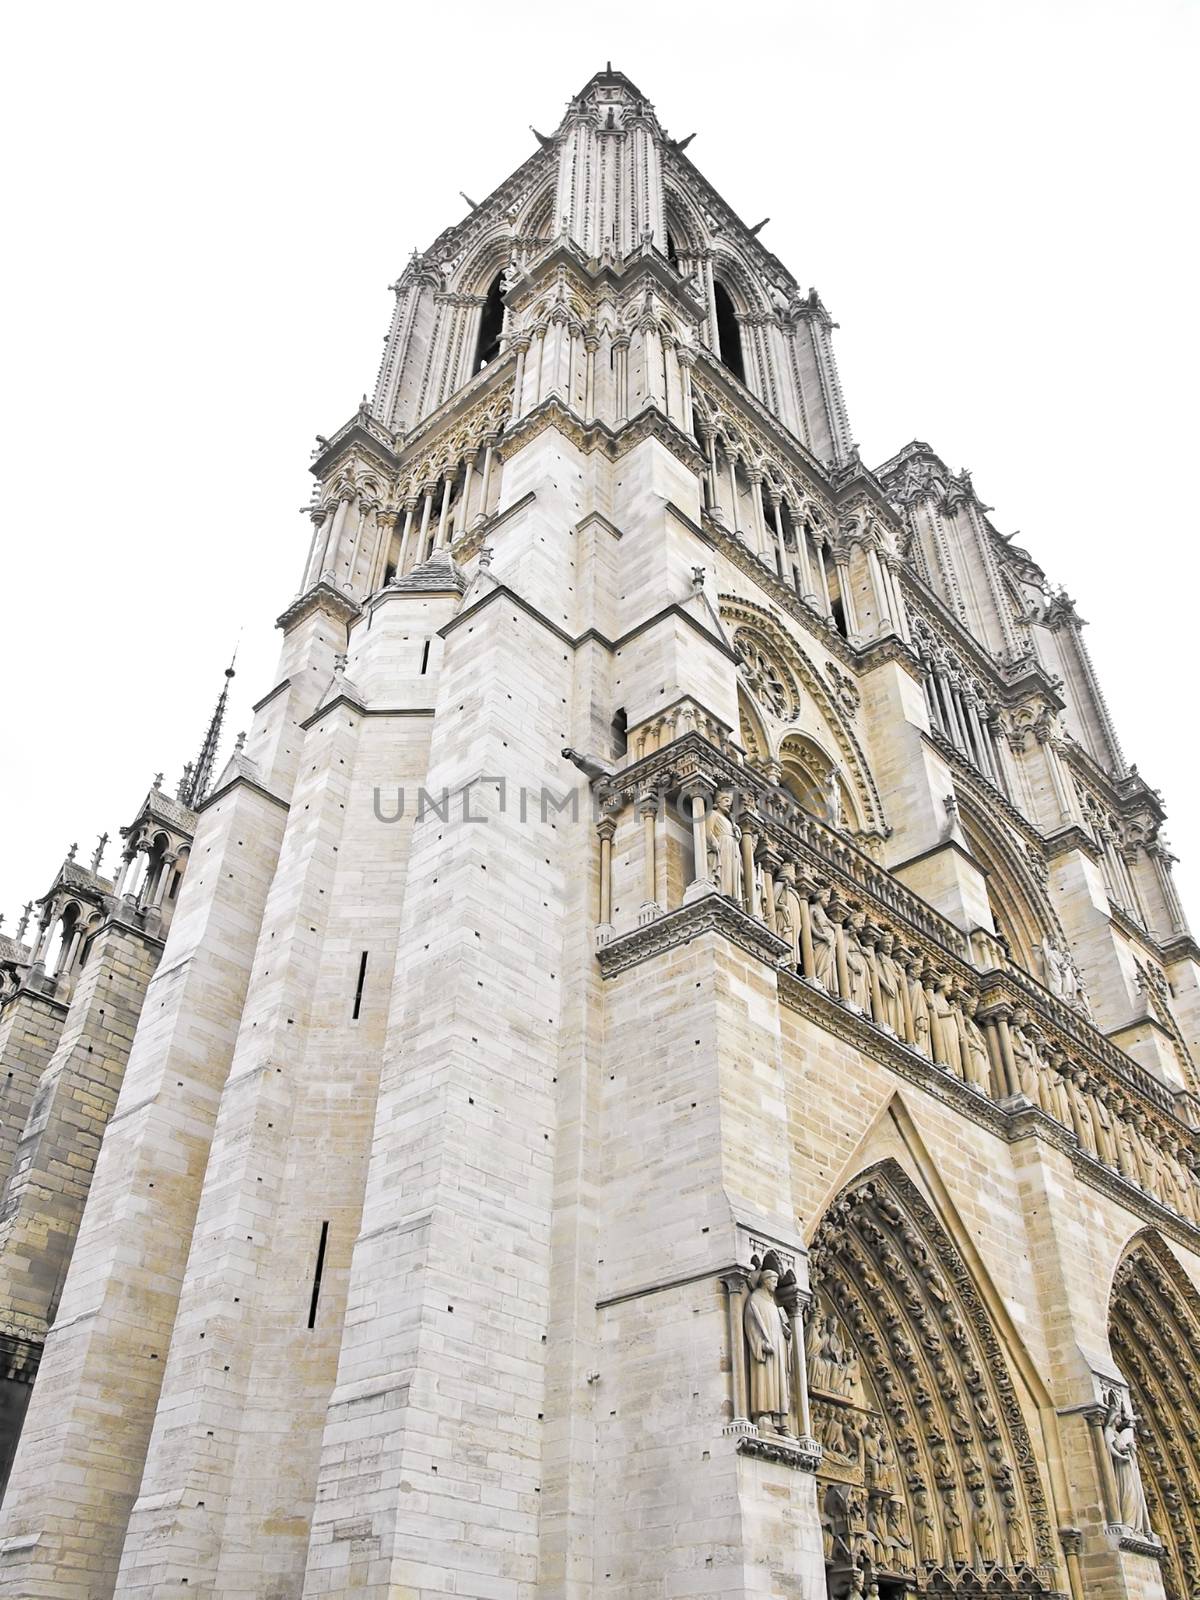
x,y
198,774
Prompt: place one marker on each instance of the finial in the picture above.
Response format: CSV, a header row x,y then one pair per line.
x,y
98,854
474,204
697,579
71,852
485,557
759,226
339,665
239,744
26,913
184,781
157,783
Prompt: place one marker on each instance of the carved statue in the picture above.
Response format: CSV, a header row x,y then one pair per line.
x,y
890,979
879,1461
924,1527
943,1024
857,969
787,917
834,1367
768,1333
918,1005
952,1522
1028,1062
724,858
896,1541
983,1529
976,1062
1053,972
1120,1435
824,939
1014,1530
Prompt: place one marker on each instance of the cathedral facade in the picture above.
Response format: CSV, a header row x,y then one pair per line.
x,y
671,1072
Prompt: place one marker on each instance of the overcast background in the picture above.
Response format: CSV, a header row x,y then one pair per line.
x,y
207,203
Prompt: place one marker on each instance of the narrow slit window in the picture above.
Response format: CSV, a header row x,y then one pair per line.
x,y
425,658
317,1271
362,978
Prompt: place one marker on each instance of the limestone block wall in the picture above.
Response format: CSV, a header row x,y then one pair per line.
x,y
30,1025
430,1462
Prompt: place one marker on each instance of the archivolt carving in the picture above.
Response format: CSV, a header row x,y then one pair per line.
x,y
738,613
1154,1329
929,1474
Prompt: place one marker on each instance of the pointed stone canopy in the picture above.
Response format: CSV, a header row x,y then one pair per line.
x,y
197,780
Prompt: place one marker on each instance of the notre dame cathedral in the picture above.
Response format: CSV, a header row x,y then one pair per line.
x,y
663,1064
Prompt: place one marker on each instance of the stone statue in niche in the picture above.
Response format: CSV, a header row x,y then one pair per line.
x,y
890,979
983,1529
1029,1064
857,970
943,1022
1121,1438
724,860
1014,1530
768,1338
924,1527
976,1063
824,939
919,1005
787,917
952,1522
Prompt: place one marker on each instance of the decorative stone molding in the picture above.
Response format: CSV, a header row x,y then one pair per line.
x,y
712,914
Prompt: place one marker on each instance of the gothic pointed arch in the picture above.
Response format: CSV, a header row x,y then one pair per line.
x,y
754,630
1154,1332
929,1480
1021,907
813,777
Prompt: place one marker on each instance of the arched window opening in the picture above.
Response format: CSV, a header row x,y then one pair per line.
x,y
491,326
672,252
729,333
620,732
837,605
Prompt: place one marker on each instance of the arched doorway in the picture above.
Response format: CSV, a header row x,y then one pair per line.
x,y
928,1481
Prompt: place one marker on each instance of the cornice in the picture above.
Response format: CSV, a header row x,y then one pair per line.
x,y
650,422
1180,947
320,597
243,781
714,913
364,434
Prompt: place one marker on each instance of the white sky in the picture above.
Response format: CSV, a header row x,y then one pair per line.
x,y
206,204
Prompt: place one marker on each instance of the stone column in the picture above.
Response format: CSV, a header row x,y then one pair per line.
x,y
881,593
698,797
648,809
735,1285
605,829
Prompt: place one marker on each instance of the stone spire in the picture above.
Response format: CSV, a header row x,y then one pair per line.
x,y
197,775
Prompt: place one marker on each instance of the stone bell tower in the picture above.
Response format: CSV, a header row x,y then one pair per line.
x,y
676,1003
